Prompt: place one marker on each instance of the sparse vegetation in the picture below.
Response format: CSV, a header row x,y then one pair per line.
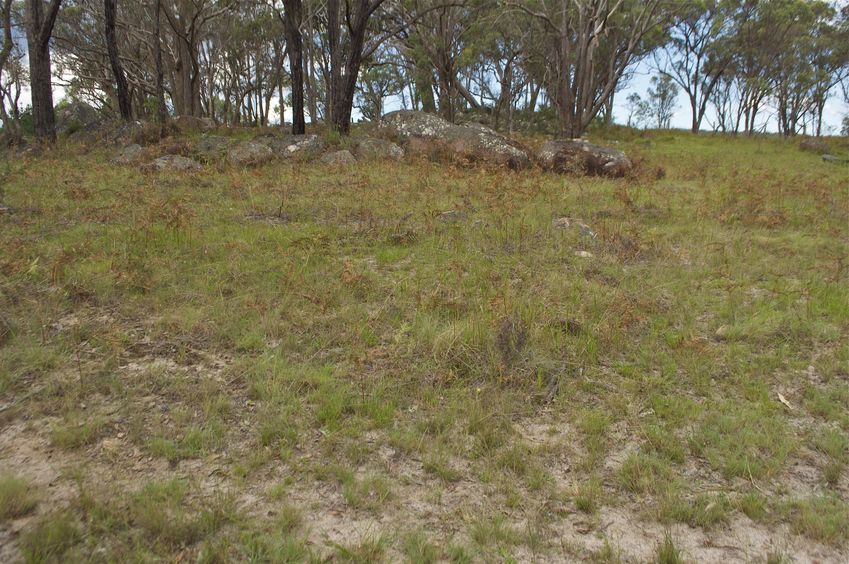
x,y
369,380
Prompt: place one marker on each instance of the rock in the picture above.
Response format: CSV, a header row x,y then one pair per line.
x,y
303,147
833,159
814,145
374,149
75,117
451,216
189,124
174,163
211,147
568,223
131,154
249,153
339,158
577,155
438,139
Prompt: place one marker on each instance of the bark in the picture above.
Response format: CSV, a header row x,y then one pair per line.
x,y
39,31
122,90
161,110
293,15
11,127
345,66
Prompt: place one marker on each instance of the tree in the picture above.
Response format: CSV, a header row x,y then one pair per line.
x,y
40,22
122,90
638,110
292,22
698,51
346,55
594,42
9,64
162,110
662,101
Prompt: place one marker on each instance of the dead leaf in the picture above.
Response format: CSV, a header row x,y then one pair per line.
x,y
783,400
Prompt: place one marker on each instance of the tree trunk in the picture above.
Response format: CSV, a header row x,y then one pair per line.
x,y
39,31
161,110
124,106
296,65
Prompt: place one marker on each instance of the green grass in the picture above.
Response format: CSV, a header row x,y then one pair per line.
x,y
264,346
17,497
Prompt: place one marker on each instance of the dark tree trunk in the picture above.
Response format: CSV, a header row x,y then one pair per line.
x,y
293,16
39,31
124,105
345,67
161,110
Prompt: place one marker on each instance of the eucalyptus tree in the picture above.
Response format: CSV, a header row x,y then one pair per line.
x,y
698,51
40,19
590,45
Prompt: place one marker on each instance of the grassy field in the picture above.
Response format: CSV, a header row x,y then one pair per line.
x,y
306,363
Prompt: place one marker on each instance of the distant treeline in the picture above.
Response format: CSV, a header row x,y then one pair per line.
x,y
231,60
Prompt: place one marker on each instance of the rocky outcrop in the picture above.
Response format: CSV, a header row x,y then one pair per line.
x,y
374,149
303,147
249,153
211,147
129,155
339,158
431,136
75,117
577,155
173,163
191,124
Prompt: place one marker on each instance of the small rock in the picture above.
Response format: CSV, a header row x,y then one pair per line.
x,y
568,222
131,154
174,163
371,148
249,153
833,159
451,216
584,254
339,158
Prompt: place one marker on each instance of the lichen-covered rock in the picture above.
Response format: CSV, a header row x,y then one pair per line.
x,y
249,153
303,147
211,147
339,158
431,136
374,149
173,163
577,155
131,154
188,124
405,124
75,117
